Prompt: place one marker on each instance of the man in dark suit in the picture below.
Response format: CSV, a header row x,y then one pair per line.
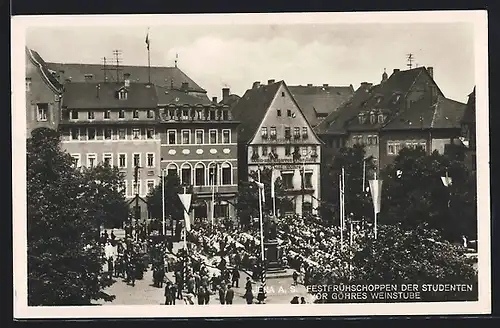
x,y
235,277
229,295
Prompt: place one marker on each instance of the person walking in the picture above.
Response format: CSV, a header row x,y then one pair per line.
x,y
229,295
302,300
222,294
168,294
235,277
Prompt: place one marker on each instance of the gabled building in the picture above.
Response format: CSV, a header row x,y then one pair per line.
x,y
114,123
317,102
468,124
405,109
43,92
199,142
275,133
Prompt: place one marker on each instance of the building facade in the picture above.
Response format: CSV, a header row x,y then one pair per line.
x,y
114,123
468,124
274,133
199,143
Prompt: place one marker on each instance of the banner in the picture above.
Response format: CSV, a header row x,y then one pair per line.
x,y
376,190
186,202
273,178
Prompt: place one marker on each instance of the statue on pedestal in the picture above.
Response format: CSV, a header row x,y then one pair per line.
x,y
270,229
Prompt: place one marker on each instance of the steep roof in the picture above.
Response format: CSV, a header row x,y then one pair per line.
x,y
162,76
334,123
172,96
90,95
252,107
231,100
443,113
470,111
47,75
321,100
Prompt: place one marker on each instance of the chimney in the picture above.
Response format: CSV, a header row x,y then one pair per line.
x,y
214,100
256,85
126,79
309,84
430,70
270,81
185,86
225,94
395,70
97,89
325,85
366,84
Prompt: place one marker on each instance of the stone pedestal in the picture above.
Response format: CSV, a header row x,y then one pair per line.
x,y
272,254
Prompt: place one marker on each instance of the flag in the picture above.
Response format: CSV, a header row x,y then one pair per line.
x,y
261,190
376,189
147,40
186,202
273,178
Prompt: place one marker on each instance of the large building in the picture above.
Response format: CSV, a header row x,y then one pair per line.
x,y
199,142
469,130
114,123
274,133
406,109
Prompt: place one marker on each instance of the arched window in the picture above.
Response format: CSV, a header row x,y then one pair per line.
x,y
199,174
186,174
172,169
227,173
213,176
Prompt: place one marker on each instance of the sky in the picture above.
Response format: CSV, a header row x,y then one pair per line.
x,y
234,56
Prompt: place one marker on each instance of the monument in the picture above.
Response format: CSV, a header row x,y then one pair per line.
x,y
271,249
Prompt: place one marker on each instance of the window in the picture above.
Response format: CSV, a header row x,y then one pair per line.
x,y
42,110
122,95
288,150
226,174
91,115
212,115
150,160
278,112
289,112
136,113
199,134
314,151
304,132
136,187
375,140
265,150
381,118
303,151
186,140
108,134
199,114
288,133
308,180
172,137
263,132
91,160
122,134
369,140
107,159
150,133
76,160
137,160
393,148
255,151
122,161
121,113
361,118
199,177
150,186
282,93
75,133
186,175
107,114
91,133
28,84
136,133
226,136
213,136
212,174
185,114
124,187
172,170
373,119
296,133
287,180
423,145
74,115
273,132
151,114
225,115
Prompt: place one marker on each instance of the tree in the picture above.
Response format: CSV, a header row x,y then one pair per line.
x,y
173,205
64,258
408,256
413,193
357,200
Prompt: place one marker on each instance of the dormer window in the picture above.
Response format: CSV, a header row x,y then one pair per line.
x,y
136,114
396,98
263,132
373,118
122,94
361,118
381,118
379,99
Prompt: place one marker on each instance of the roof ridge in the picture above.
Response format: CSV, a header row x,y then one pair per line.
x,y
40,68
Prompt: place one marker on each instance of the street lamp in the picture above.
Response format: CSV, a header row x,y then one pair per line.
x,y
163,200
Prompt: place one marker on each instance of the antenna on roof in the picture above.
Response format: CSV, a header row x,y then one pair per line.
x,y
117,54
176,59
104,69
410,59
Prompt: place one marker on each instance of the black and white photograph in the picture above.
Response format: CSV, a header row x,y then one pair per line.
x,y
235,165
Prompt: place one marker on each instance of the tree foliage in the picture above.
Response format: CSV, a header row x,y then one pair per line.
x,y
418,194
173,205
65,208
357,201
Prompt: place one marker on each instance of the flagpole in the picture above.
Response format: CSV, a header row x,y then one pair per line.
x,y
261,221
185,227
375,213
149,59
340,212
364,173
213,198
163,199
273,195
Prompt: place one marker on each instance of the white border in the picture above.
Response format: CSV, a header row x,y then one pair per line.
x,y
21,23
